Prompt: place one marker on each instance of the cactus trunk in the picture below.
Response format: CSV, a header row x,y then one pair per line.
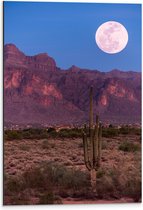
x,y
93,179
92,151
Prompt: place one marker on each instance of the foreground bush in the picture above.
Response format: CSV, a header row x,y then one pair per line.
x,y
49,182
122,180
129,147
49,198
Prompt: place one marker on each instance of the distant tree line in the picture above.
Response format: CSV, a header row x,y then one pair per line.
x,y
41,133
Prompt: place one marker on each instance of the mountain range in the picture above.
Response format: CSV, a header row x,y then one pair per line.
x,y
36,90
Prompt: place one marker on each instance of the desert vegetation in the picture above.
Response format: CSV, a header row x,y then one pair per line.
x,y
35,133
50,169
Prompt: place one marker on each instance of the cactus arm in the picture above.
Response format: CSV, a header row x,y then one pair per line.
x,y
95,150
91,126
85,146
96,140
91,109
86,157
99,146
91,147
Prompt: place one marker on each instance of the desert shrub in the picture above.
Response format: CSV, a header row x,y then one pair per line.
x,y
100,173
49,198
34,133
50,174
115,184
132,189
30,133
20,199
129,147
35,178
76,180
70,133
53,134
67,178
105,187
110,132
124,130
13,134
130,130
13,185
27,135
51,129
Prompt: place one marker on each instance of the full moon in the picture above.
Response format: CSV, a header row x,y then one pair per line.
x,y
111,37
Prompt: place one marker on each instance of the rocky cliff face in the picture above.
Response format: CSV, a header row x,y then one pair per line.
x,y
37,91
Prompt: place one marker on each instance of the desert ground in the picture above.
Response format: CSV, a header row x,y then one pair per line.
x,y
52,171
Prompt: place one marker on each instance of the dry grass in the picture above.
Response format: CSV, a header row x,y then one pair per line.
x,y
119,176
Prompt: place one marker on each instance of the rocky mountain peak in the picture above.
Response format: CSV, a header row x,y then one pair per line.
x,y
74,68
15,58
11,48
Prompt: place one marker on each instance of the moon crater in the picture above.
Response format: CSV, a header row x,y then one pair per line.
x,y
111,37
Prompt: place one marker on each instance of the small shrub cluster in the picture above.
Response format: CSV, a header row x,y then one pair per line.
x,y
110,132
130,130
129,147
49,198
119,182
12,134
49,181
30,133
39,133
35,133
70,133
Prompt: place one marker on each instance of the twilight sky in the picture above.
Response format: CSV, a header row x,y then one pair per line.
x,y
66,31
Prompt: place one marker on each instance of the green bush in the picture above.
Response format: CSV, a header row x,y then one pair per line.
x,y
53,134
70,133
13,134
110,132
133,189
47,177
100,173
51,129
118,182
14,185
130,130
34,133
49,198
124,130
129,147
66,178
35,178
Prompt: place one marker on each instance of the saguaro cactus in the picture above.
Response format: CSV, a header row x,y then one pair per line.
x,y
92,144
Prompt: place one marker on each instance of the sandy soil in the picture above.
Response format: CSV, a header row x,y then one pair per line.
x,y
21,155
122,200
